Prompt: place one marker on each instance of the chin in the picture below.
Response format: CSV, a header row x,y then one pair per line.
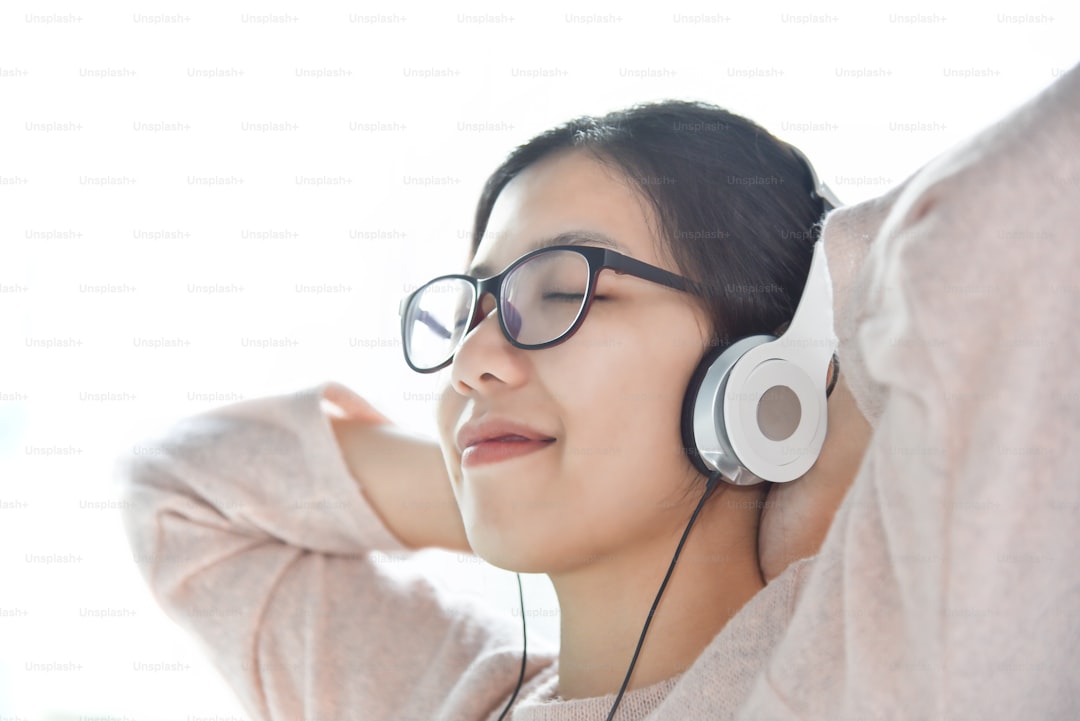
x,y
508,560
508,548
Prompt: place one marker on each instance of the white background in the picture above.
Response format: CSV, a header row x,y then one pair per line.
x,y
415,95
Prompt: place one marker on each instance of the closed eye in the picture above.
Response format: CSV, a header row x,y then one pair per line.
x,y
566,297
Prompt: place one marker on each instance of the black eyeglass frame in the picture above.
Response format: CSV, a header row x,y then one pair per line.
x,y
598,259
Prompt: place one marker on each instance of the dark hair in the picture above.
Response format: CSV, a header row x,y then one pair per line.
x,y
734,204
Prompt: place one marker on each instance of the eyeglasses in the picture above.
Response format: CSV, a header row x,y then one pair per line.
x,y
542,298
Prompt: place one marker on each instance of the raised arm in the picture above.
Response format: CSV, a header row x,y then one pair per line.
x,y
947,586
253,536
401,474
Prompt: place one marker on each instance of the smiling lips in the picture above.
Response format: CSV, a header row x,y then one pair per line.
x,y
494,441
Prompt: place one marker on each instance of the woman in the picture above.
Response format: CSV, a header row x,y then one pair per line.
x,y
262,546
606,488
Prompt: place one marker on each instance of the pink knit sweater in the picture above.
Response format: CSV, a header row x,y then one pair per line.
x,y
947,588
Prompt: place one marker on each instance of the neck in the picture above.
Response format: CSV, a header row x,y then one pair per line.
x,y
604,605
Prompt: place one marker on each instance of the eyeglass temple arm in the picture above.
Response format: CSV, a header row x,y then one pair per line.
x,y
633,266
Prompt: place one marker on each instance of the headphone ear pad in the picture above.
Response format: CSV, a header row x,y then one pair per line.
x,y
704,436
690,447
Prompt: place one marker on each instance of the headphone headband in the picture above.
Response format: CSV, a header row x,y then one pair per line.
x,y
820,190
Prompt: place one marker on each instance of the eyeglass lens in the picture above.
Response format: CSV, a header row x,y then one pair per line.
x,y
541,300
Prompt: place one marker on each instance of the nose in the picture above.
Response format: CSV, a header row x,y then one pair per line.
x,y
486,361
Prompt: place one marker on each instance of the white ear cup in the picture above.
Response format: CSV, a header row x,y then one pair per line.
x,y
758,410
774,414
707,440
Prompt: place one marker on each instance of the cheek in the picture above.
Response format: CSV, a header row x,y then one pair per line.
x,y
448,412
623,409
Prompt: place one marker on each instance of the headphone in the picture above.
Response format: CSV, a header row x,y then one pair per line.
x,y
755,410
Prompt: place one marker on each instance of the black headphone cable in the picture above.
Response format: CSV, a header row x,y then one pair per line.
x,y
709,486
524,650
656,602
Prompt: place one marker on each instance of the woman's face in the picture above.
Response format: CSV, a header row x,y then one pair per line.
x,y
611,472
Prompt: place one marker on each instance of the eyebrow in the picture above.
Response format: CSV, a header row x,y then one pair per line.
x,y
570,237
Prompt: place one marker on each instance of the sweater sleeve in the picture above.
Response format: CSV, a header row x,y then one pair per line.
x,y
948,585
254,537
